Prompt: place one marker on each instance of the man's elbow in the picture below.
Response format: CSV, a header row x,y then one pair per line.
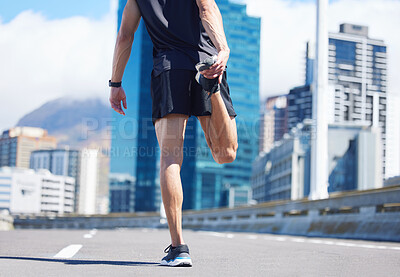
x,y
125,37
206,7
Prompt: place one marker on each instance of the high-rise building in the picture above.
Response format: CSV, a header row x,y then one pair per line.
x,y
63,162
205,182
273,121
89,180
27,191
134,151
122,193
16,145
84,166
299,105
393,136
353,159
357,77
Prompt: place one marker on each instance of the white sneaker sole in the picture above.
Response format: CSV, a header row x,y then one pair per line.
x,y
179,261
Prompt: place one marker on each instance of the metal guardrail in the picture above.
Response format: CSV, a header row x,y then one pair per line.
x,y
372,214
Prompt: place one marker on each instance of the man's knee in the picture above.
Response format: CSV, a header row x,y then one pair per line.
x,y
171,155
225,155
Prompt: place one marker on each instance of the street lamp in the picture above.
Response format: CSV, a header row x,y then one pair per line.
x,y
319,141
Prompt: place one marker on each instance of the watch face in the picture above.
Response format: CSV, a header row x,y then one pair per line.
x,y
114,84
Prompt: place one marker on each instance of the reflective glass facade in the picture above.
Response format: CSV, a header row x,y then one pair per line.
x,y
134,148
205,182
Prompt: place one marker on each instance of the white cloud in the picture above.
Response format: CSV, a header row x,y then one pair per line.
x,y
43,59
288,25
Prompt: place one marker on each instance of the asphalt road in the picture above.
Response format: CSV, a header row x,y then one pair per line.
x,y
136,252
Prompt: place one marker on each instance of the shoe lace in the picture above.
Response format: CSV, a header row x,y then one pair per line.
x,y
166,250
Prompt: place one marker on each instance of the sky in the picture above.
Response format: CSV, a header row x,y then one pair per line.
x,y
50,49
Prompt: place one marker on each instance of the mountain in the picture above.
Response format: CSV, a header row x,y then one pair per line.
x,y
75,122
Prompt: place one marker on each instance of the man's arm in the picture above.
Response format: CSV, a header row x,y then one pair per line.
x,y
129,24
212,22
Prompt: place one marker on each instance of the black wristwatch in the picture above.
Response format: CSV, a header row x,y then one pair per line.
x,y
114,84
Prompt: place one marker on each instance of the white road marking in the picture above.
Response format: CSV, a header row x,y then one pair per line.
x,y
315,241
328,242
90,234
275,238
298,240
216,234
301,240
345,244
68,252
93,232
366,245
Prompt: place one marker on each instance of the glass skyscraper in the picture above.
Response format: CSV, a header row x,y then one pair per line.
x,y
134,148
357,75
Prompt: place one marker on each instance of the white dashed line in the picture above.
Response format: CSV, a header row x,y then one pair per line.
x,y
298,240
301,240
328,242
93,232
68,252
315,241
345,244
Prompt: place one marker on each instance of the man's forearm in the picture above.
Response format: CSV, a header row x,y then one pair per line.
x,y
122,53
212,22
129,24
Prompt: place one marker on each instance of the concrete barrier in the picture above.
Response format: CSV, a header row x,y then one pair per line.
x,y
6,221
371,215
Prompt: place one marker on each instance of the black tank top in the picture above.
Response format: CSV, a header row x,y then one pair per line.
x,y
178,36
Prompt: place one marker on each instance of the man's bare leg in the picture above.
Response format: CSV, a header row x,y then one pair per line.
x,y
220,131
170,131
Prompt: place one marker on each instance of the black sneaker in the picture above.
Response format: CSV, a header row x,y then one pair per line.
x,y
177,256
209,85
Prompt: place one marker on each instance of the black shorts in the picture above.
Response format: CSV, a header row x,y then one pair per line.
x,y
177,91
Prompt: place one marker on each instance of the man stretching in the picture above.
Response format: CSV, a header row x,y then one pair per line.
x,y
184,33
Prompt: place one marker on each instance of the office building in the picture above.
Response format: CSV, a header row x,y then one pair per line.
x,y
134,151
122,193
63,162
204,181
16,145
84,166
89,180
357,79
393,136
273,121
353,158
35,192
284,172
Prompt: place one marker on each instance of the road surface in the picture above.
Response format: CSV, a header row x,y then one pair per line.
x,y
136,252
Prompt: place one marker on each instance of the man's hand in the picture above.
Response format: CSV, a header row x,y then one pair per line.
x,y
116,96
218,68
